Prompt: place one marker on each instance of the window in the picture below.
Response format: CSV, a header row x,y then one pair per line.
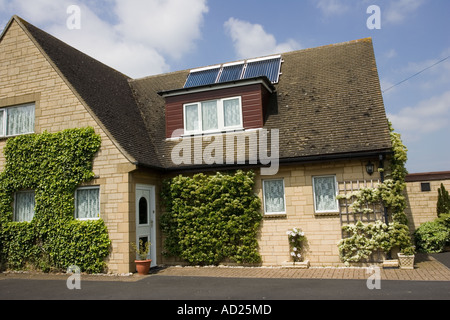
x,y
213,116
87,203
24,206
273,191
425,186
17,120
325,192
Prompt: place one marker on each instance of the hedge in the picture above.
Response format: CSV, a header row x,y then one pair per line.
x,y
211,218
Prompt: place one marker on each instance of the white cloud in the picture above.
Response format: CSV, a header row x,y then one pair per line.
x,y
427,116
170,26
251,40
135,38
332,7
399,10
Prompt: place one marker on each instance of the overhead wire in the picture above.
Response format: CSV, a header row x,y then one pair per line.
x,y
416,74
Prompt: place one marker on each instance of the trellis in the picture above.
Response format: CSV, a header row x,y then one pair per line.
x,y
347,214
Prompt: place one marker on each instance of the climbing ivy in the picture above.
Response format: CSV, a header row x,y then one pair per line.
x,y
211,218
364,239
53,165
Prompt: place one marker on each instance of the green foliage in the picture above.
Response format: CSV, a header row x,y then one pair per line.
x,y
365,239
296,241
432,236
53,165
443,202
210,218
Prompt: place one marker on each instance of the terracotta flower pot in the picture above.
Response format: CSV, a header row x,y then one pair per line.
x,y
143,266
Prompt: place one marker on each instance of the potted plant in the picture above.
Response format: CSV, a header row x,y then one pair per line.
x,y
142,251
406,257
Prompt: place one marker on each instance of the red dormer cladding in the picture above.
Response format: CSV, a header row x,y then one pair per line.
x,y
254,96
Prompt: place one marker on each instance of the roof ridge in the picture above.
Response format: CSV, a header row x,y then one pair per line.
x,y
26,24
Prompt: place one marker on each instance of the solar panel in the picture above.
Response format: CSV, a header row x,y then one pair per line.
x,y
198,78
231,72
269,67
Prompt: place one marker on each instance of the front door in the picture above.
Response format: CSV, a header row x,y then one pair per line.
x,y
145,218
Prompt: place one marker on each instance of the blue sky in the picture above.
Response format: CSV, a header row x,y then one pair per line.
x,y
146,37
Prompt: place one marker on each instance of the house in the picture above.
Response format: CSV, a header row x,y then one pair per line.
x,y
306,121
422,195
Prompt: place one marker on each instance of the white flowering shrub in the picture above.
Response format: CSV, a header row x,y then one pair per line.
x,y
296,238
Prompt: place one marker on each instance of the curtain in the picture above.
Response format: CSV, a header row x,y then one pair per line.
x,y
274,196
88,203
2,129
20,120
24,208
325,193
209,115
191,117
231,113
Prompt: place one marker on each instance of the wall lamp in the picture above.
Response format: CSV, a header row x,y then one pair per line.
x,y
370,168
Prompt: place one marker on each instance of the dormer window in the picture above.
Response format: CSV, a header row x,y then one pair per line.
x,y
213,116
218,107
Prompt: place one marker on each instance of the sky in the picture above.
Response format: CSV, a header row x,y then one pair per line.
x,y
140,38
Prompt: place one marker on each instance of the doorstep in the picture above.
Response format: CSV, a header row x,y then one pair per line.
x,y
393,263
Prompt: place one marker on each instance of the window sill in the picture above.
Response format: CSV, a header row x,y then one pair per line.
x,y
327,213
208,133
274,215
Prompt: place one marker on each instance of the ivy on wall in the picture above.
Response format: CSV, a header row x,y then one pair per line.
x,y
211,218
53,165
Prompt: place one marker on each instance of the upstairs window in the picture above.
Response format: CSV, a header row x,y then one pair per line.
x,y
17,120
213,116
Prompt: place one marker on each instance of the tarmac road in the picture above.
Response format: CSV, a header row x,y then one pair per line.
x,y
156,287
178,288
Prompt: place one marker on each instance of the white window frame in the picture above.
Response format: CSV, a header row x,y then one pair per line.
x,y
15,218
336,190
76,202
220,117
4,134
264,197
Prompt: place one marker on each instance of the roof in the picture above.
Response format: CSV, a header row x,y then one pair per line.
x,y
327,103
105,92
427,176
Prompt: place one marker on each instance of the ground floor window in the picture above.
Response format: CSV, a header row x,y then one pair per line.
x,y
87,203
274,200
24,206
325,191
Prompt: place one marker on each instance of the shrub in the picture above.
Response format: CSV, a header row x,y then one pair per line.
x,y
443,202
210,218
431,237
